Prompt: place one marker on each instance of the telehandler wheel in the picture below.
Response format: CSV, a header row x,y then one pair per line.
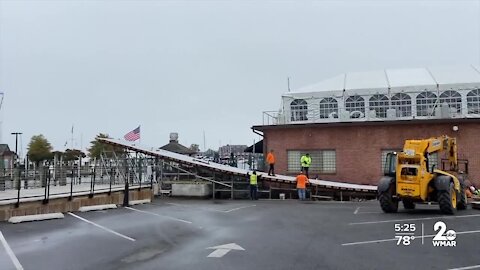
x,y
407,204
447,200
462,202
387,202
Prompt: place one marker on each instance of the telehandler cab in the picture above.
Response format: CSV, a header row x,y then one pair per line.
x,y
410,177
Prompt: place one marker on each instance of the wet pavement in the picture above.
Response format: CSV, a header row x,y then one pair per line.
x,y
177,234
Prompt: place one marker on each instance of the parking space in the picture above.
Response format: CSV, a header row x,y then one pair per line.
x,y
180,234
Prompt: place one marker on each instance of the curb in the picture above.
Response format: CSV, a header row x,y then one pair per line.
x,y
39,217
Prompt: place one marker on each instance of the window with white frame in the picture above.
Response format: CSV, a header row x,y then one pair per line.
x,y
426,103
323,161
402,103
355,105
299,109
328,108
473,101
453,99
379,103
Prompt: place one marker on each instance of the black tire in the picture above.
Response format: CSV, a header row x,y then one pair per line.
x,y
462,202
388,204
407,204
445,200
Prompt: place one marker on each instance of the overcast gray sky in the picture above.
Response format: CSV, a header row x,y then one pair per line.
x,y
194,66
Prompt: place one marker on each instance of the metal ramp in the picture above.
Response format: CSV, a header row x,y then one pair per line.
x,y
224,169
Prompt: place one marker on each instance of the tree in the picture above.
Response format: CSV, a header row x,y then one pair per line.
x,y
195,147
210,153
39,149
97,147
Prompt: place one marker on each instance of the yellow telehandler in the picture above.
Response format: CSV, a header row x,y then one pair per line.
x,y
410,177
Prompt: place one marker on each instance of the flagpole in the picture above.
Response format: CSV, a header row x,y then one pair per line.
x,y
71,145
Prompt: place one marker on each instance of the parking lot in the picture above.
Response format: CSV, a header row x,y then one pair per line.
x,y
183,234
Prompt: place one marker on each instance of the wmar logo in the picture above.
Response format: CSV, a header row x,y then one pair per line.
x,y
443,239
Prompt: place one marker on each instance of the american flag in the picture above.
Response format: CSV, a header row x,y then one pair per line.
x,y
133,135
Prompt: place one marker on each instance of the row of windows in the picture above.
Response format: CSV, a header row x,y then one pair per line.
x,y
401,102
325,161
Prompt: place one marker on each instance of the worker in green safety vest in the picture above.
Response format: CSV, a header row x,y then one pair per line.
x,y
306,161
253,184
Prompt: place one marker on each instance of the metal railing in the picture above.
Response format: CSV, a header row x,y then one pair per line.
x,y
315,115
42,183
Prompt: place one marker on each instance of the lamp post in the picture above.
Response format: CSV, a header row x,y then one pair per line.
x,y
16,144
15,166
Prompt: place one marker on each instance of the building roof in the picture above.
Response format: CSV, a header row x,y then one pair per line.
x,y
258,148
446,77
453,122
175,147
5,150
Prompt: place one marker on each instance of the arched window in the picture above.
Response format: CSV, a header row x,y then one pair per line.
x,y
426,103
298,107
402,103
356,106
453,99
379,103
473,101
328,108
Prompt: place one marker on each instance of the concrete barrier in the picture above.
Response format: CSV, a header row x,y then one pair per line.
x,y
140,202
192,190
97,207
35,217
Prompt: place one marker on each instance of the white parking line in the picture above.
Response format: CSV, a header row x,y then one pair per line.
x,y
211,209
466,267
356,210
103,228
395,239
412,219
238,208
158,215
194,207
10,253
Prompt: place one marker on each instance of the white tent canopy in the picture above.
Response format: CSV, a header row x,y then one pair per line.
x,y
393,94
397,80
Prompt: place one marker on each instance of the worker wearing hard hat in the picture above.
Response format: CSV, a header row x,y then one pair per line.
x,y
306,161
302,181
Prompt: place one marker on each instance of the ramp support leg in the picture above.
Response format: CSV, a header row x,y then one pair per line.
x,y
213,190
231,190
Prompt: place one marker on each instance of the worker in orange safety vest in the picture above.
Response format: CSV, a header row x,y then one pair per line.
x,y
271,163
302,181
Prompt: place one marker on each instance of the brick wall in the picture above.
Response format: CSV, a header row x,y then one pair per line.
x,y
358,146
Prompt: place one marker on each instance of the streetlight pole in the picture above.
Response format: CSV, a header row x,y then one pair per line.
x,y
16,165
16,143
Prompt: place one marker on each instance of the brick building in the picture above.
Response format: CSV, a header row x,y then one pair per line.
x,y
237,150
350,122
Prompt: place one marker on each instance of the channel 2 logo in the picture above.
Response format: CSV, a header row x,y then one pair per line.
x,y
443,238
